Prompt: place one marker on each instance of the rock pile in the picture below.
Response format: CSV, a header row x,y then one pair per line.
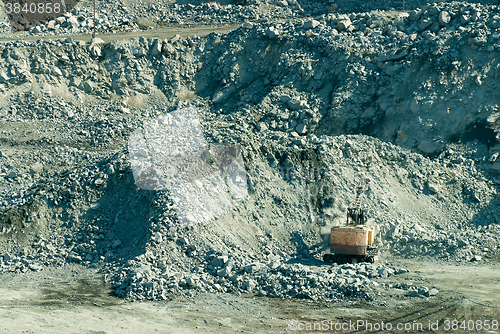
x,y
160,257
375,53
270,278
315,104
82,22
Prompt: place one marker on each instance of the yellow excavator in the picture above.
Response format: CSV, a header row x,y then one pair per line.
x,y
354,241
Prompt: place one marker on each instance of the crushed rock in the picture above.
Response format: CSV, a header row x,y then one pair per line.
x,y
316,106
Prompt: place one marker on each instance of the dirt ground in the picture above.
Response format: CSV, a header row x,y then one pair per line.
x,y
166,32
73,299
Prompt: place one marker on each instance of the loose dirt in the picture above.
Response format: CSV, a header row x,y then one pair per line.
x,y
76,300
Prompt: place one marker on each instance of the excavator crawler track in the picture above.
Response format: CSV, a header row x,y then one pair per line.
x,y
343,259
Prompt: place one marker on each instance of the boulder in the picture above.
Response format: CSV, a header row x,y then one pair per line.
x,y
444,18
311,24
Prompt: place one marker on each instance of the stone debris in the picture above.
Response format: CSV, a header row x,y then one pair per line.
x,y
273,278
311,24
343,24
421,291
300,97
444,18
272,32
432,292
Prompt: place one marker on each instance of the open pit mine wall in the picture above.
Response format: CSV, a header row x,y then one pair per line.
x,y
404,81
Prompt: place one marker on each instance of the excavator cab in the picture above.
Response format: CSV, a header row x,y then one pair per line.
x,y
355,216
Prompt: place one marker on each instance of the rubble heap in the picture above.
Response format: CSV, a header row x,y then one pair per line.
x,y
405,102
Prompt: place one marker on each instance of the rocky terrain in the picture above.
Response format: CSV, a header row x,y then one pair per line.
x,y
115,16
317,97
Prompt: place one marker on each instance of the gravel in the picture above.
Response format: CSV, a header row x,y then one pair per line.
x,y
405,102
